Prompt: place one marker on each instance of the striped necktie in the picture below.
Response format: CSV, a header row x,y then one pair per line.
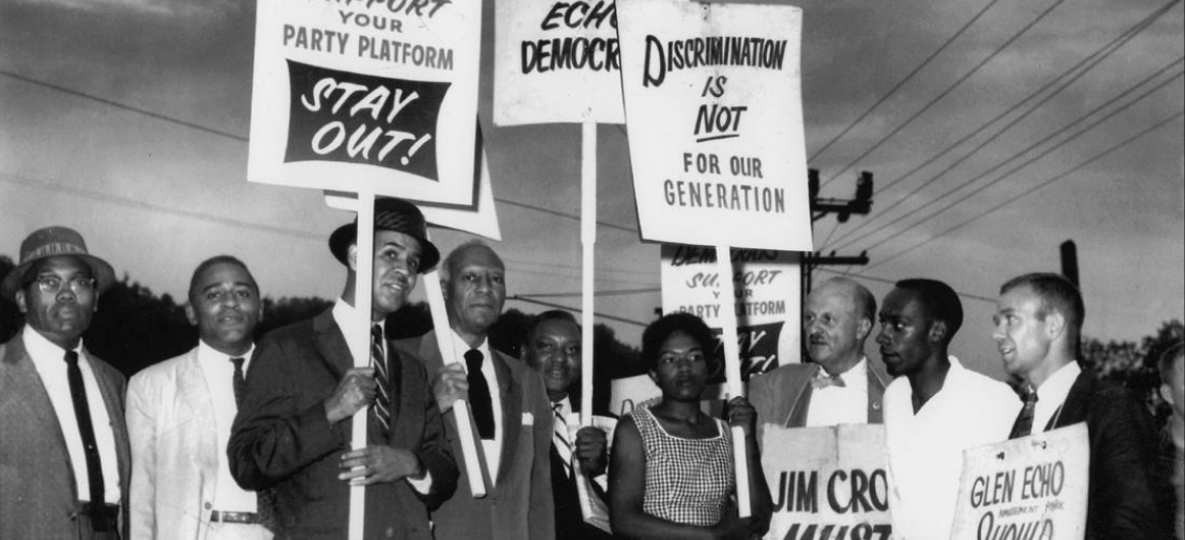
x,y
1024,421
562,445
382,398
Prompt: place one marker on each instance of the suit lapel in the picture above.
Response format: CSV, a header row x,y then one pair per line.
x,y
1073,410
512,411
191,384
800,399
35,405
876,394
331,344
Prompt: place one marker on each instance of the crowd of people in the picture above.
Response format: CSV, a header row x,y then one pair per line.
x,y
246,439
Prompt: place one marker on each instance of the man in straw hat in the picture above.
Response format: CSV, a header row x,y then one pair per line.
x,y
63,444
293,433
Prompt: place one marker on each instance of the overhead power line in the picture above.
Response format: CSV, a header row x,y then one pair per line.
x,y
622,292
894,282
1063,81
902,82
1027,192
935,211
575,310
949,89
241,138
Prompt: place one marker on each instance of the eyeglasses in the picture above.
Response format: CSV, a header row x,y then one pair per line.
x,y
53,284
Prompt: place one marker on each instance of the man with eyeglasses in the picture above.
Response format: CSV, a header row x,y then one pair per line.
x,y
180,413
64,458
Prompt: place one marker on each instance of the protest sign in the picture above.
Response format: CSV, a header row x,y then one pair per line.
x,y
827,483
374,96
767,294
1033,487
556,61
712,94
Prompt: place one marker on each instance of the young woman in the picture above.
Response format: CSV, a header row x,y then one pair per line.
x,y
671,473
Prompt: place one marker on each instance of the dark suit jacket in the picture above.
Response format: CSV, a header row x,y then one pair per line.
x,y
520,506
38,492
281,438
569,521
1123,498
783,396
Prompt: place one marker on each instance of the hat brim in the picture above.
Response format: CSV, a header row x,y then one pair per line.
x,y
340,240
103,273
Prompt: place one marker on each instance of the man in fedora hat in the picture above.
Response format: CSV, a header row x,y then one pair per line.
x,y
292,433
64,447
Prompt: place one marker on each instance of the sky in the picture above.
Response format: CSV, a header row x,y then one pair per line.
x,y
156,196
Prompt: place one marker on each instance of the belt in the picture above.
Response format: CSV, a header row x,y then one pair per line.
x,y
234,517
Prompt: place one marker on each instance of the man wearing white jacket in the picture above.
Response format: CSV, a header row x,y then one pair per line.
x,y
179,416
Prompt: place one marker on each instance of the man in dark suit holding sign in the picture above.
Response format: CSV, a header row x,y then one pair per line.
x,y
293,432
1038,322
511,414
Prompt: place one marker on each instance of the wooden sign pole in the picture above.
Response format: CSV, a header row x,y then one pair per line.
x,y
732,371
360,349
588,242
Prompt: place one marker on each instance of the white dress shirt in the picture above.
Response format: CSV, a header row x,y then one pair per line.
x,y
492,448
219,371
1052,394
49,359
926,449
847,404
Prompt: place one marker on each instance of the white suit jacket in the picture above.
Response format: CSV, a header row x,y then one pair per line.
x,y
175,456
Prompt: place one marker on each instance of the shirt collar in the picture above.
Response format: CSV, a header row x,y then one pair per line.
x,y
208,355
347,320
1057,386
38,346
460,346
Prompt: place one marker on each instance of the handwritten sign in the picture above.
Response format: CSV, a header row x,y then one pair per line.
x,y
557,61
768,296
827,483
1032,487
712,93
367,96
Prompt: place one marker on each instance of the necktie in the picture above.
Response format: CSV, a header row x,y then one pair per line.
x,y
562,445
382,398
479,395
1024,421
238,382
264,500
94,468
823,380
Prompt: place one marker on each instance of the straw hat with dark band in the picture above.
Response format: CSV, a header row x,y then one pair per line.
x,y
390,215
53,242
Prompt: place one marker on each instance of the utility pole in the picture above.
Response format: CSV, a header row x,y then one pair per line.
x,y
1070,262
861,204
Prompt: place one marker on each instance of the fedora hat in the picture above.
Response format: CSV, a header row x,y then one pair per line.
x,y
52,242
389,215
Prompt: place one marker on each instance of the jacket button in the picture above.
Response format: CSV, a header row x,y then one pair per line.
x,y
208,505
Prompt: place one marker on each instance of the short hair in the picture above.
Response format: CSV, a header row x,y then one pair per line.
x,y
1056,292
219,259
658,332
1169,359
939,300
446,269
865,300
549,315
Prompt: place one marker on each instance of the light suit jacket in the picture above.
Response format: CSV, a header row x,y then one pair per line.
x,y
38,491
175,455
520,506
783,396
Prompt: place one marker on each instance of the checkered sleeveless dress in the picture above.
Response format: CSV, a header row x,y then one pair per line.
x,y
688,481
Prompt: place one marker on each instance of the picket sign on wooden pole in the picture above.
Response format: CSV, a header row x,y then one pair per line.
x,y
360,349
460,407
732,372
588,248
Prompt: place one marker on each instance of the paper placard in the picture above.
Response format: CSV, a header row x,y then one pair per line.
x,y
1032,487
827,482
768,299
556,62
712,95
375,96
